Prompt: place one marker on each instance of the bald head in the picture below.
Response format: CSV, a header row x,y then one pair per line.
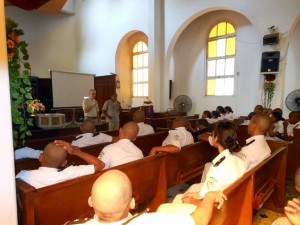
x,y
259,124
111,196
53,156
138,116
88,126
294,117
180,122
129,131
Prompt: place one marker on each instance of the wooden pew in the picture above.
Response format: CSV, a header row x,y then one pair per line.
x,y
188,164
262,186
67,200
293,155
145,143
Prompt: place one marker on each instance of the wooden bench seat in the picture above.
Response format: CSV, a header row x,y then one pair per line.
x,y
262,186
67,200
188,164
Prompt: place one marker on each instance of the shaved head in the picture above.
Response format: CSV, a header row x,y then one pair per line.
x,y
180,122
139,116
129,130
88,126
259,124
53,156
111,196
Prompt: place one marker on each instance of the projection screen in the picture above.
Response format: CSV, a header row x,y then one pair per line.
x,y
69,88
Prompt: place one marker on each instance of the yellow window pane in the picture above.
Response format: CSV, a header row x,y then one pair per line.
x,y
140,46
145,47
135,76
212,49
145,59
134,61
230,46
135,48
145,75
221,29
139,60
210,87
135,90
213,32
230,29
145,90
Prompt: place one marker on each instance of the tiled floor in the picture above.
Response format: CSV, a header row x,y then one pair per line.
x,y
266,217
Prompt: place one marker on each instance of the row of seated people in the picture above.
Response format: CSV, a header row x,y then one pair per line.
x,y
223,137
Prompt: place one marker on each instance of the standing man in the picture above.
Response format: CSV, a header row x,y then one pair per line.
x,y
111,110
90,107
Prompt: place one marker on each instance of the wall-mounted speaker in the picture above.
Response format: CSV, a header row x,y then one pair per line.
x,y
271,39
270,62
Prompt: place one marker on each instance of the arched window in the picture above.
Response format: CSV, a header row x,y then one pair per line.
x,y
140,70
221,48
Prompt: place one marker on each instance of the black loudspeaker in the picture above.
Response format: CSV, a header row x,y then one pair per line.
x,y
270,62
170,89
271,39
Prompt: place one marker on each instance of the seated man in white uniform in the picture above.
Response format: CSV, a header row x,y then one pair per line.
x,y
54,168
289,125
89,135
256,148
111,199
124,150
177,138
139,118
226,167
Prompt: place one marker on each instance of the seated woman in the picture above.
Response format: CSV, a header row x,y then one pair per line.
x,y
277,128
225,168
207,115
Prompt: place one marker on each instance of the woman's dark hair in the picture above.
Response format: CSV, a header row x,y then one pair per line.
x,y
278,116
228,109
227,136
215,114
220,109
207,113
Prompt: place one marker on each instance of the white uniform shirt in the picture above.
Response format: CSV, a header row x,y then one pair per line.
x,y
144,129
278,127
87,139
150,219
297,125
255,150
291,127
44,176
27,152
229,116
163,219
95,221
179,137
118,153
93,111
211,120
226,169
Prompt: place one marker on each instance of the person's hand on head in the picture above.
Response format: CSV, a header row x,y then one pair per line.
x,y
292,211
67,146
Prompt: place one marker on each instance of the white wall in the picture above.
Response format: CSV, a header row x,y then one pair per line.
x,y
101,26
190,63
8,210
51,40
292,76
282,14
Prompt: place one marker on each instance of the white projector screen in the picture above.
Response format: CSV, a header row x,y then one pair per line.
x,y
69,89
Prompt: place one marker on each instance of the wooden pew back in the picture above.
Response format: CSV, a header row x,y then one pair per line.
x,y
188,164
293,155
263,185
66,201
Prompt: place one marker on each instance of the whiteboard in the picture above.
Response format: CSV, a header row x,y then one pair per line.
x,y
69,88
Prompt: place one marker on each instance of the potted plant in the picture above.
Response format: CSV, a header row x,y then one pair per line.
x,y
20,85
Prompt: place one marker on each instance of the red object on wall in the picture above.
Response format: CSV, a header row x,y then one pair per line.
x,y
26,4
